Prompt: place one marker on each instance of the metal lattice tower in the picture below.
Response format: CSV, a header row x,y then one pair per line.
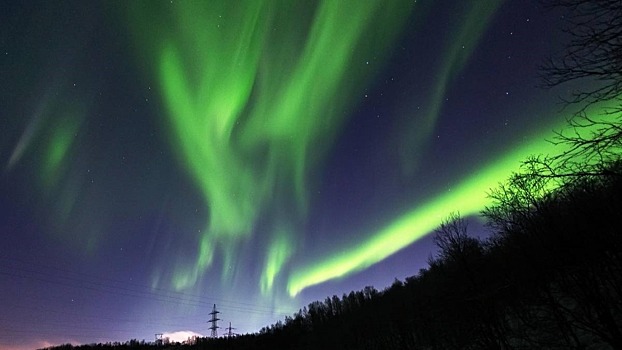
x,y
214,321
229,329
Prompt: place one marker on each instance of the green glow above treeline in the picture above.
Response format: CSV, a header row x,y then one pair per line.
x,y
255,92
468,197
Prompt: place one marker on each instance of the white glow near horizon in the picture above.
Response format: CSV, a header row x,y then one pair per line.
x,y
180,336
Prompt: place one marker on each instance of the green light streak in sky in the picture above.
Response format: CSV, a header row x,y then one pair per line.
x,y
468,197
464,41
255,99
56,153
278,254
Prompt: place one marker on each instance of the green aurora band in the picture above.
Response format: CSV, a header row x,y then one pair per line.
x,y
256,91
57,152
469,197
256,94
463,42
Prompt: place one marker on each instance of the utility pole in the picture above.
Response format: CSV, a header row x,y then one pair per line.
x,y
158,339
214,321
229,329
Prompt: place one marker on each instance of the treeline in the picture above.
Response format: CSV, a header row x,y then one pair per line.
x,y
548,277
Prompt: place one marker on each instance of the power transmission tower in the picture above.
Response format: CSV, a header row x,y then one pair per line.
x,y
229,329
214,321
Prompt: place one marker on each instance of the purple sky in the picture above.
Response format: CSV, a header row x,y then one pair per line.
x,y
100,214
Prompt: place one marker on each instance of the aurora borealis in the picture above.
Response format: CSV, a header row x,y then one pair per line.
x,y
162,156
294,76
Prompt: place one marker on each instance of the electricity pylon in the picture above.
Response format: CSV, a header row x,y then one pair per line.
x,y
229,329
214,321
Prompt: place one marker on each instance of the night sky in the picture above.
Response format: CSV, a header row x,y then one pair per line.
x,y
160,157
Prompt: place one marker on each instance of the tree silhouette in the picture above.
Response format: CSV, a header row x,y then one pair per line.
x,y
594,52
591,64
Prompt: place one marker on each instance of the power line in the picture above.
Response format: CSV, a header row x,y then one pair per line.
x,y
178,297
16,268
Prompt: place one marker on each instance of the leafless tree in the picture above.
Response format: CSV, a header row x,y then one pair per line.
x,y
592,62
